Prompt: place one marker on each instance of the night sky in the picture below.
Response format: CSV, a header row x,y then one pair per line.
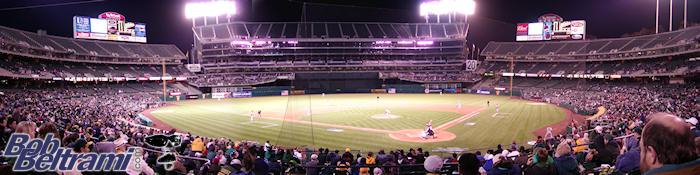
x,y
494,19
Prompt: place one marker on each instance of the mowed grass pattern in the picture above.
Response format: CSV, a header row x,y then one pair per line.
x,y
230,118
409,118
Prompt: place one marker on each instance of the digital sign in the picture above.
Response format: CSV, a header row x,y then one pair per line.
x,y
108,26
551,27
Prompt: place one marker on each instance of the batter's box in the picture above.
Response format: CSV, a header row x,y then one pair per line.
x,y
262,124
500,115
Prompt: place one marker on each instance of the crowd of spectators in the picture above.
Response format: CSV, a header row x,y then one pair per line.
x,y
433,76
624,101
625,140
236,79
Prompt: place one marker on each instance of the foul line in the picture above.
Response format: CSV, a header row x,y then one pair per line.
x,y
332,125
459,120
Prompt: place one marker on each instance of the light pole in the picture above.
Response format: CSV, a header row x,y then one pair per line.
x,y
685,14
204,10
657,16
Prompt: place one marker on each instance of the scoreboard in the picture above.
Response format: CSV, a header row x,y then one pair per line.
x,y
551,27
108,26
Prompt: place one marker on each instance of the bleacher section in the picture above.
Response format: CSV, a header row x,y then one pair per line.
x,y
665,54
37,56
670,43
67,49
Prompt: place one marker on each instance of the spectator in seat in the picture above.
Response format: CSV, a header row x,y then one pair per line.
x,y
311,168
433,164
469,164
390,165
488,160
503,166
540,143
668,147
27,127
197,145
564,161
628,160
541,163
363,169
521,159
343,166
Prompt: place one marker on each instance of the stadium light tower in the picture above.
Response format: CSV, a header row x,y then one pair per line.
x,y
213,8
447,7
209,9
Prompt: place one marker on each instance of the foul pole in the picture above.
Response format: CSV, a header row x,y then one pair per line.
x,y
512,67
163,78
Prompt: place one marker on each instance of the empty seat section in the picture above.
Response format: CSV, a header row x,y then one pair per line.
x,y
221,31
334,30
276,31
290,30
319,30
389,30
376,31
437,30
348,30
362,31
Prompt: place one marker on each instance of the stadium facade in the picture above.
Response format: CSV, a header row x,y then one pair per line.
x,y
342,56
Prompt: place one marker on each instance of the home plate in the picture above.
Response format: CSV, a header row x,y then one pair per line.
x,y
469,124
335,130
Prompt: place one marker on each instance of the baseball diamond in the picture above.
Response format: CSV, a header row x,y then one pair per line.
x,y
285,120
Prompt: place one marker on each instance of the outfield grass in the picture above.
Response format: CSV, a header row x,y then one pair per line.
x,y
230,118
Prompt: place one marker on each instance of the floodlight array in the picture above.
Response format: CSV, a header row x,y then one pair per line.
x,y
441,7
213,8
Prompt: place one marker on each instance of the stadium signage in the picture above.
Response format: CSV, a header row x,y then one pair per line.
x,y
600,76
108,26
483,92
112,15
550,17
242,94
551,27
46,155
79,79
219,95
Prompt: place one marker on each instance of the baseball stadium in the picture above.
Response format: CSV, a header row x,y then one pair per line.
x,y
359,87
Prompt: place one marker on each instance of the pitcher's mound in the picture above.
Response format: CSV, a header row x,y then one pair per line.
x,y
414,135
384,116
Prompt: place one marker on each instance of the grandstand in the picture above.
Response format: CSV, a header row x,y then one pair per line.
x,y
669,54
264,52
32,55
